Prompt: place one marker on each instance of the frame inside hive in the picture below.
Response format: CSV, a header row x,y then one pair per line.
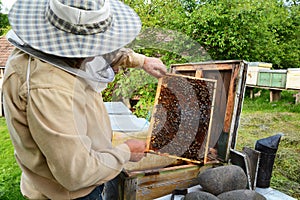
x,y
231,83
181,119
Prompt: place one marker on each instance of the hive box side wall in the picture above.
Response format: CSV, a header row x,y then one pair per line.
x,y
253,69
272,78
292,79
220,101
240,93
148,186
252,75
264,79
278,80
237,92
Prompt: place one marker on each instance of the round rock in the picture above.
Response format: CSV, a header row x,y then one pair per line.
x,y
199,196
223,179
241,194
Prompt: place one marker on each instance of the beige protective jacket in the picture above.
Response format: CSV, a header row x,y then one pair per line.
x,y
60,129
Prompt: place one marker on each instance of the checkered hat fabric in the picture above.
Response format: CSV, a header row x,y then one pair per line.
x,y
95,28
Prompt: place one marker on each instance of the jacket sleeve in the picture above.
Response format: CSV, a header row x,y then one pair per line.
x,y
125,57
59,123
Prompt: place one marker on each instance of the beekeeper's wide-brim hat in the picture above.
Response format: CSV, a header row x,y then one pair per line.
x,y
74,28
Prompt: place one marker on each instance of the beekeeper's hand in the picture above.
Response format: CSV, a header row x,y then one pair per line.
x,y
155,67
137,149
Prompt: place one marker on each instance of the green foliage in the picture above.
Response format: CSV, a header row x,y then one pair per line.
x,y
146,96
237,29
109,93
137,84
286,103
192,31
253,30
4,24
157,13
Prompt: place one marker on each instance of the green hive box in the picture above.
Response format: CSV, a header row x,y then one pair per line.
x,y
272,78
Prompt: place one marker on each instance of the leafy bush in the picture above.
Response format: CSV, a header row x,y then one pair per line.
x,y
137,85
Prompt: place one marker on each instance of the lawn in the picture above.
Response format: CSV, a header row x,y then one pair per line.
x,y
9,170
259,119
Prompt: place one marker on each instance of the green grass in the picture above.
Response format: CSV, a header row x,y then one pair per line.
x,y
9,170
259,119
286,103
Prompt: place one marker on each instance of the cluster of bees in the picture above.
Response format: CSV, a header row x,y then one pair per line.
x,y
182,116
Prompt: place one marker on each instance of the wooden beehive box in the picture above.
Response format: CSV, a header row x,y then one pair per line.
x,y
272,78
229,79
253,69
293,78
151,184
178,138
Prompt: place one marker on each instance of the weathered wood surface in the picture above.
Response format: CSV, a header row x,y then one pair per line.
x,y
151,184
275,95
150,161
293,77
272,78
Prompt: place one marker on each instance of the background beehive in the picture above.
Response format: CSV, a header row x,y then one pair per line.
x,y
252,73
272,78
180,124
293,77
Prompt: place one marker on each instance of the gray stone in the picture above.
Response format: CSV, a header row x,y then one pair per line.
x,y
199,196
241,195
223,179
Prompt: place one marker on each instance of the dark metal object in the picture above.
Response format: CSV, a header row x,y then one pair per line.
x,y
254,157
248,160
179,192
268,148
